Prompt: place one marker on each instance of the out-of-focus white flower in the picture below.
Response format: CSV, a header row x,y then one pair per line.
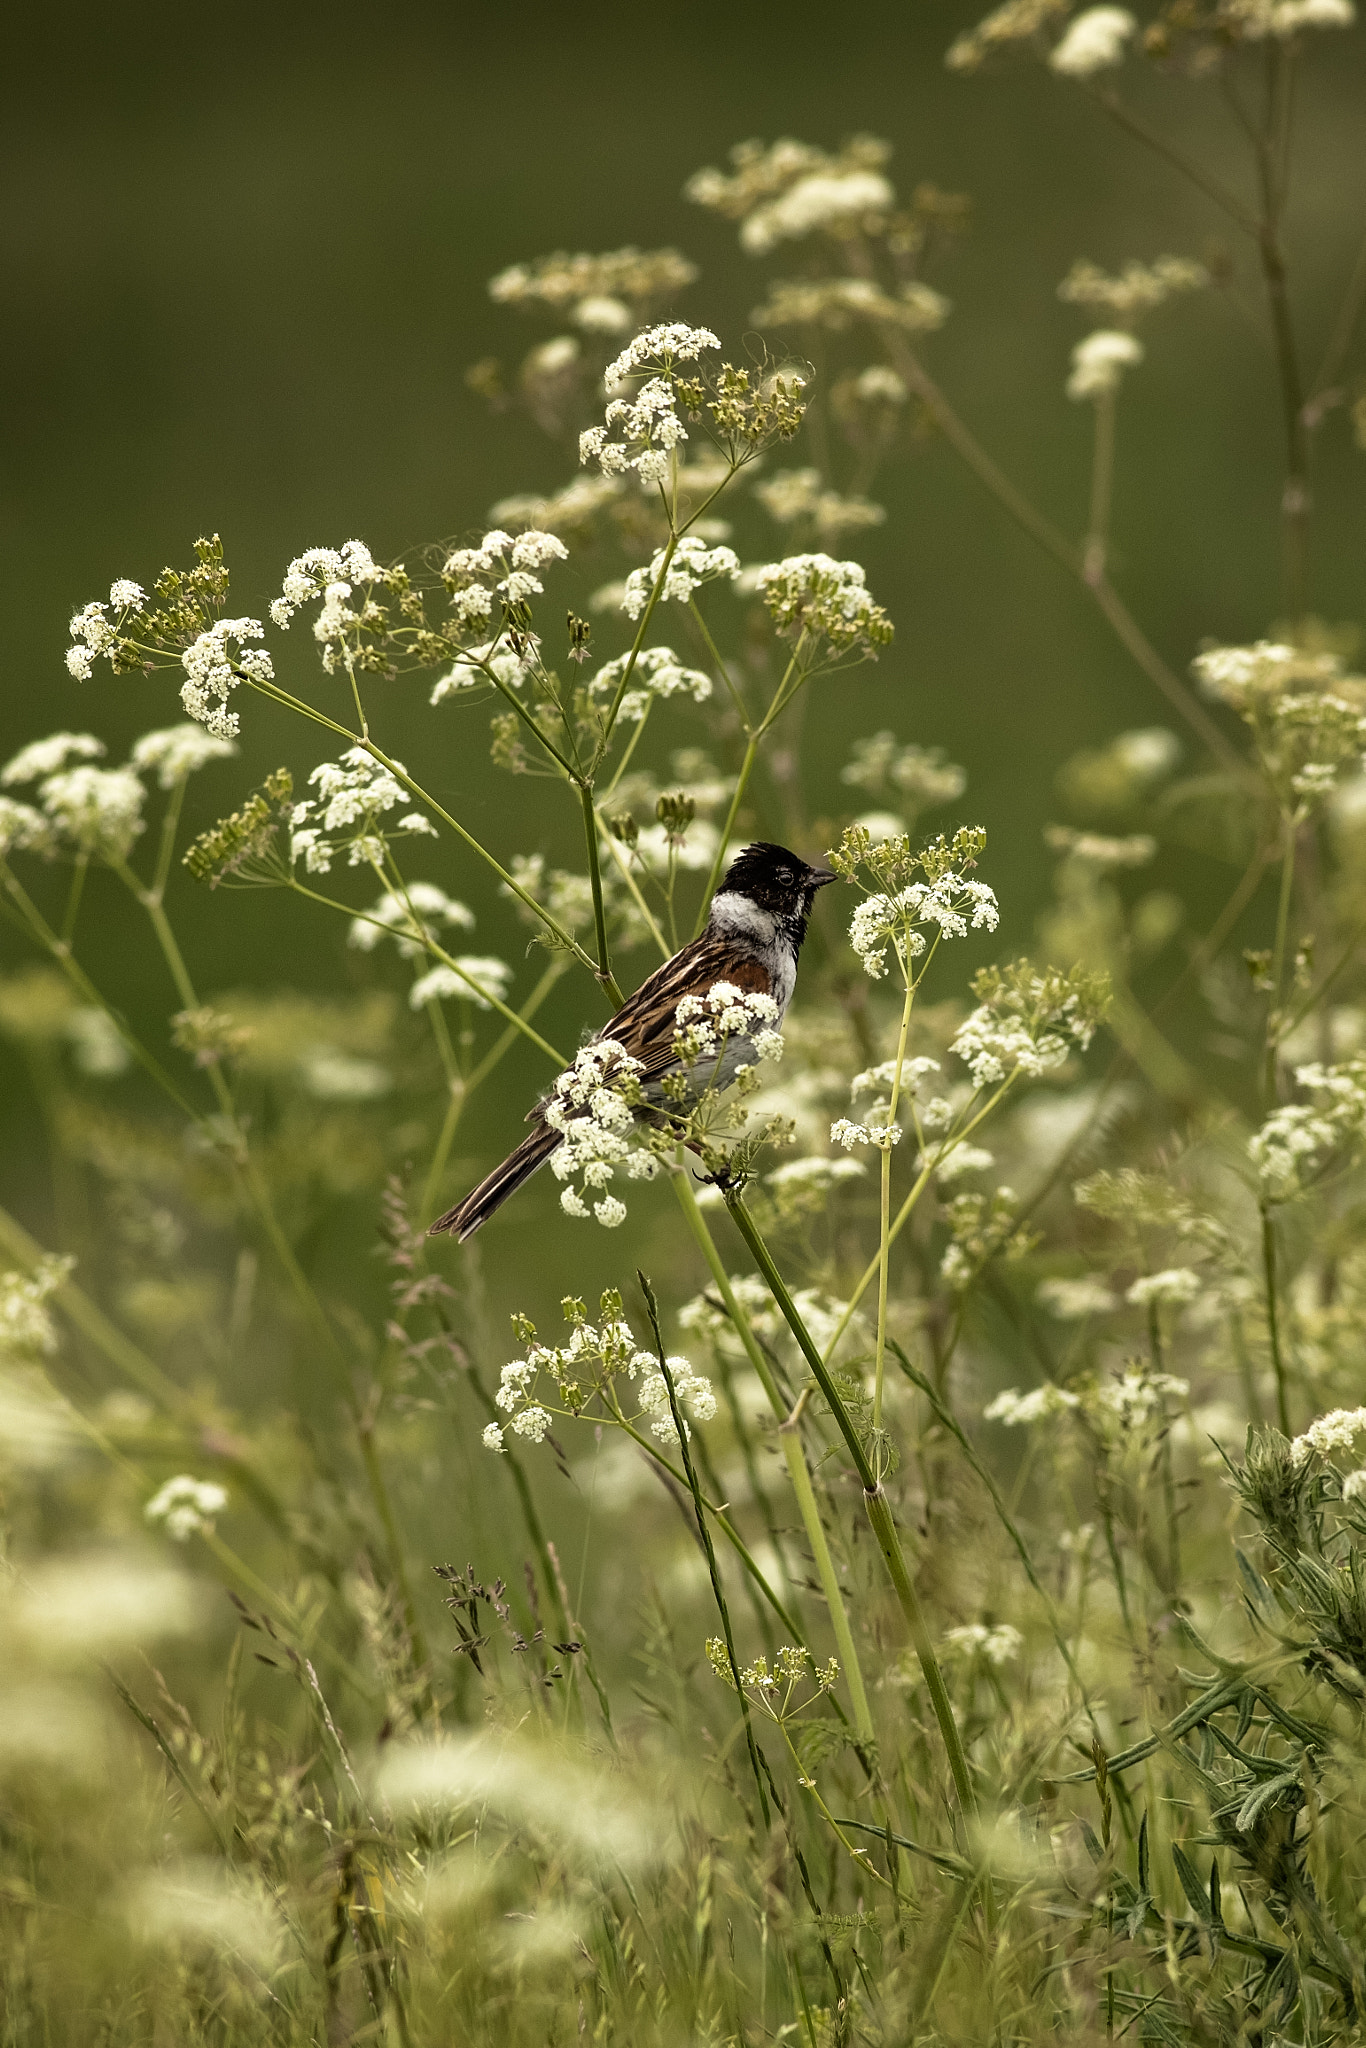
x,y
335,1076
1336,1431
45,757
1072,1300
998,1645
1099,361
176,751
1176,1286
1095,41
408,917
95,1043
185,1506
475,977
96,811
1014,1410
823,200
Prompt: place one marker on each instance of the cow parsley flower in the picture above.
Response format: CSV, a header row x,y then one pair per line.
x,y
177,751
829,600
659,347
477,664
45,757
1336,1431
833,202
1095,41
950,904
658,673
320,570
1029,1021
1298,1139
1015,1410
95,811
999,1645
692,565
1099,361
474,978
409,918
353,793
185,1506
1071,1301
213,672
1174,1287
639,434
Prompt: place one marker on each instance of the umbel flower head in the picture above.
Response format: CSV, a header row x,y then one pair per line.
x,y
1029,1020
912,893
600,1371
1305,715
788,190
827,600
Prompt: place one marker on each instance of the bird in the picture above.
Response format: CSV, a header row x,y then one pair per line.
x,y
754,933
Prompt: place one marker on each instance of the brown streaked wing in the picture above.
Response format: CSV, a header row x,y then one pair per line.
x,y
645,1023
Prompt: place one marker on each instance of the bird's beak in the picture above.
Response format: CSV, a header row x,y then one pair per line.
x,y
820,876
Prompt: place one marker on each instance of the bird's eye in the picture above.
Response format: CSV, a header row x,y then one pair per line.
x,y
785,877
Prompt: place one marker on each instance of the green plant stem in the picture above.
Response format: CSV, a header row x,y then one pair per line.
x,y
793,1451
781,697
904,1213
703,1530
1273,1015
875,1503
1102,485
624,870
510,1016
1273,1319
885,1200
590,834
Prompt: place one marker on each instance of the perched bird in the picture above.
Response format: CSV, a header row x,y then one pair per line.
x,y
754,933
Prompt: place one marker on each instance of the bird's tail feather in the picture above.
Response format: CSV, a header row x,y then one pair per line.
x,y
465,1218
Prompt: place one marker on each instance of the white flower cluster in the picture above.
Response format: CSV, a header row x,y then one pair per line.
x,y
1071,1301
1133,1397
659,347
595,1360
26,1328
92,634
999,1645
815,1174
950,904
177,751
477,664
648,430
1258,674
212,673
185,1506
473,978
793,494
93,811
660,673
329,573
1137,288
593,1107
1014,1410
833,201
882,1135
1095,41
1174,1288
692,565
1297,1139
818,594
1257,19
1336,1431
407,919
1099,361
995,1043
713,1029
502,565
352,792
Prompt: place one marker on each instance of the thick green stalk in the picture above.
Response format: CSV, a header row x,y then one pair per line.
x,y
795,1454
875,1503
1273,1317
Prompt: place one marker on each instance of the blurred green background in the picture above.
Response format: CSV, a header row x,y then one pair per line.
x,y
246,252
